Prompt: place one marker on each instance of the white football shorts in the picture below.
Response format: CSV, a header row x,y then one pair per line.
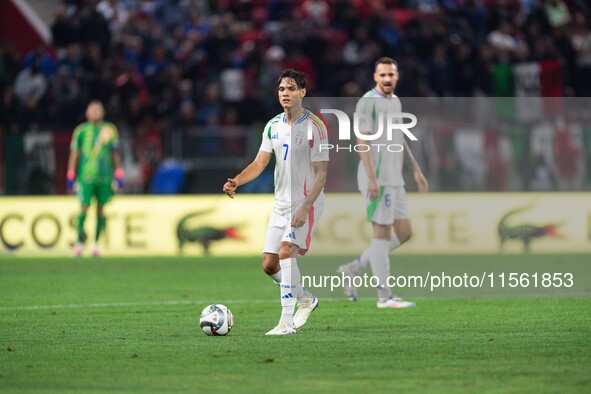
x,y
279,228
391,205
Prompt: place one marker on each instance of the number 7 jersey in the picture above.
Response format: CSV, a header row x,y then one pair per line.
x,y
294,155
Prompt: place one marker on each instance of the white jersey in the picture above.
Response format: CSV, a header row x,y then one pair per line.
x,y
387,165
294,155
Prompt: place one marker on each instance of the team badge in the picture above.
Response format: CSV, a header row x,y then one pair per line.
x,y
106,134
299,138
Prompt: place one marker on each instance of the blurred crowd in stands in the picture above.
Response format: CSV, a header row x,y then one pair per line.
x,y
163,65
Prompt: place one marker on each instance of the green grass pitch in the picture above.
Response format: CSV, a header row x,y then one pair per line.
x,y
131,325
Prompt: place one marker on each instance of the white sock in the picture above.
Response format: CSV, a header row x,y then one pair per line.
x,y
356,267
380,266
361,263
394,242
291,288
276,277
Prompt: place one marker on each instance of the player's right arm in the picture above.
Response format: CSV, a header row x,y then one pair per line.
x,y
255,168
73,160
373,189
74,151
365,126
252,171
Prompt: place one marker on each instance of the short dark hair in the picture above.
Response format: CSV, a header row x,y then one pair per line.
x,y
385,60
298,77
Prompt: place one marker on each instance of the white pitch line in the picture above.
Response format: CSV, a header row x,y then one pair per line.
x,y
144,303
126,304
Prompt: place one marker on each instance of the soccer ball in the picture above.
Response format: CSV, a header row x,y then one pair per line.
x,y
216,319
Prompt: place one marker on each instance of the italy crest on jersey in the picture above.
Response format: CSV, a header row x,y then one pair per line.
x,y
299,137
106,134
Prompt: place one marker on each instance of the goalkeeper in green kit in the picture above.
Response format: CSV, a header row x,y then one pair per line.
x,y
94,170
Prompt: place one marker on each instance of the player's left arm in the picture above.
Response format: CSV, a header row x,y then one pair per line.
x,y
118,173
301,215
73,162
418,173
319,158
116,157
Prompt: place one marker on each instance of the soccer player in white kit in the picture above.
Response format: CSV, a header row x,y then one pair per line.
x,y
380,181
300,175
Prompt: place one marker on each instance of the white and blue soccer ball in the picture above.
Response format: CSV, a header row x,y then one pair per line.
x,y
216,319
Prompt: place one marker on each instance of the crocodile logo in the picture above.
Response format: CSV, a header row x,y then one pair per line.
x,y
203,235
525,233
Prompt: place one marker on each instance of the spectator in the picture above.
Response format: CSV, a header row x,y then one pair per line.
x,y
14,153
540,176
148,149
359,49
43,59
94,28
440,72
558,13
316,11
71,62
465,71
30,84
566,153
581,43
62,30
63,98
10,64
211,105
114,12
504,42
